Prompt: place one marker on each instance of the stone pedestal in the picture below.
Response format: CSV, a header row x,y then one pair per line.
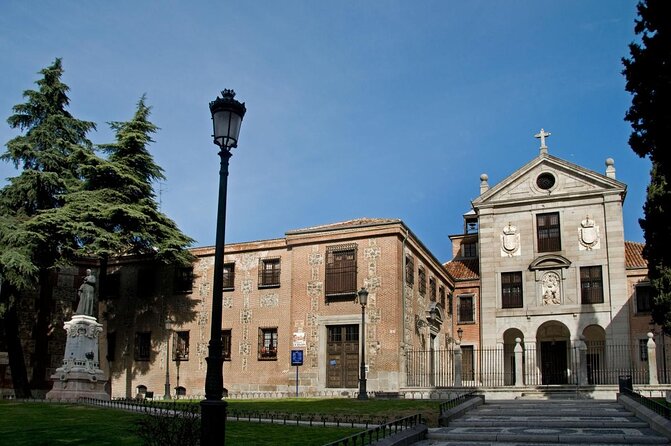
x,y
80,374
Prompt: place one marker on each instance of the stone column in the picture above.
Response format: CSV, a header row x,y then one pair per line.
x,y
652,360
582,361
519,363
457,364
80,375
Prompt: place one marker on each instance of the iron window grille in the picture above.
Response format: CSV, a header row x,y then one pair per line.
x,y
470,249
226,344
269,272
142,346
341,268
643,349
409,270
441,295
421,276
511,290
548,232
112,286
591,285
465,310
180,346
432,289
183,280
267,344
111,346
146,286
229,276
643,299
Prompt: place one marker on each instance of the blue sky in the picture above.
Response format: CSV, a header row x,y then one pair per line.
x,y
386,109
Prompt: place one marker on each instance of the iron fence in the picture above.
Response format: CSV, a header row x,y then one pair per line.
x,y
380,432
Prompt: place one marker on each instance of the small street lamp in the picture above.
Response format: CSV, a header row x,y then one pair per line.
x,y
363,300
168,330
227,114
460,333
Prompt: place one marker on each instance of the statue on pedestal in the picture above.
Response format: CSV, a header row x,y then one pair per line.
x,y
87,298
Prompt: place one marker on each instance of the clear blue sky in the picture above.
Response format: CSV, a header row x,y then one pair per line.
x,y
354,108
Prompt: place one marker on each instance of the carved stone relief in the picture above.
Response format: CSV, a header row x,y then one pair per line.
x,y
588,235
551,288
510,241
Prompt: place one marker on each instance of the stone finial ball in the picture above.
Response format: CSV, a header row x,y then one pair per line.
x,y
610,162
651,335
518,340
484,177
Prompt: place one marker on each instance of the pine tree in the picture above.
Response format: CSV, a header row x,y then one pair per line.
x,y
52,139
648,75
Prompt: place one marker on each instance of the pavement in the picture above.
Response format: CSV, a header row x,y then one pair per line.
x,y
546,422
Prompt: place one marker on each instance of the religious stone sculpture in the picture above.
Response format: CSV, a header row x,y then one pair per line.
x,y
86,294
588,234
551,295
510,241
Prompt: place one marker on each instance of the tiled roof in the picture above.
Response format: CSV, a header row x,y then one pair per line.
x,y
463,269
357,222
633,255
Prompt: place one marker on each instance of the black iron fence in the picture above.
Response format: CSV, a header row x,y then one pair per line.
x,y
545,363
380,432
658,408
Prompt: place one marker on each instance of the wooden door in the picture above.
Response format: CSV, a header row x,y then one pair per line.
x,y
342,364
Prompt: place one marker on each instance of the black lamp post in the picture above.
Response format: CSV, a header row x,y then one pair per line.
x,y
363,300
168,328
227,114
460,333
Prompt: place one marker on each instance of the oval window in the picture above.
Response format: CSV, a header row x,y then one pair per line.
x,y
545,180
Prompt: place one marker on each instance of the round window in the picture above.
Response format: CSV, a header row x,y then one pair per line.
x,y
545,180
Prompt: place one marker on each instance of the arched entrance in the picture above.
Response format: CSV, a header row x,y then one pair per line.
x,y
553,343
509,343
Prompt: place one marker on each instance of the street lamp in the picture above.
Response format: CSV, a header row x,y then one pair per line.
x,y
227,114
363,300
460,333
168,328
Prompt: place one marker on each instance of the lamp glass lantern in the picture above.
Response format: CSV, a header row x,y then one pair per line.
x,y
460,333
227,114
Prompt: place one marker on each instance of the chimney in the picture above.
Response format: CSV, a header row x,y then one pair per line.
x,y
484,185
610,168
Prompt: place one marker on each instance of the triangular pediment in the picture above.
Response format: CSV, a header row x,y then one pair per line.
x,y
547,176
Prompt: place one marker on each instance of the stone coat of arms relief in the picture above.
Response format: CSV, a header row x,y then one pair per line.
x,y
510,241
588,235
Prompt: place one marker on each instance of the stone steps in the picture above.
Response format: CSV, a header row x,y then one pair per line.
x,y
547,423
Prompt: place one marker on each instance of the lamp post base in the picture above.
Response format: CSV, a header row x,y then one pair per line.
x,y
213,422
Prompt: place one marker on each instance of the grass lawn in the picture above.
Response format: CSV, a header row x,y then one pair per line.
x,y
43,424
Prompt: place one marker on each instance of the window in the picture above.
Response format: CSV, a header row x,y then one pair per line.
x,y
465,309
145,282
643,299
441,295
226,344
471,224
142,345
469,249
545,181
267,344
511,290
269,272
432,289
422,280
409,270
467,363
183,280
591,288
180,346
229,276
111,346
341,270
643,349
112,286
547,227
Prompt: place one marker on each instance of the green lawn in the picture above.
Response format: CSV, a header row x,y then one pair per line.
x,y
45,424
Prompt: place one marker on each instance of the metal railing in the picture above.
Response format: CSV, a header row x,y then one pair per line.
x,y
658,408
379,432
454,402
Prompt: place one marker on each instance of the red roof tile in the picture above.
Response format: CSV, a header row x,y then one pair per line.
x,y
463,269
633,255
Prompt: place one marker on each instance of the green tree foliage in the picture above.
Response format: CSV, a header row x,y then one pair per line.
x,y
52,139
648,75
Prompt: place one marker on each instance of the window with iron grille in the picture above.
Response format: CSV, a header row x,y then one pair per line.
x,y
409,270
465,309
146,285
226,344
341,270
183,280
268,344
470,249
441,295
111,346
591,285
548,232
643,299
421,276
112,286
229,276
432,289
269,272
643,349
511,290
180,346
142,346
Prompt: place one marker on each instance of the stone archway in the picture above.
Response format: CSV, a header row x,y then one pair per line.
x,y
509,337
553,343
595,340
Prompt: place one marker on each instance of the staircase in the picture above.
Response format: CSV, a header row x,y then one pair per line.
x,y
546,422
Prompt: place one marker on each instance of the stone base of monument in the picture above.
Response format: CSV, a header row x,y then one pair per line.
x,y
80,375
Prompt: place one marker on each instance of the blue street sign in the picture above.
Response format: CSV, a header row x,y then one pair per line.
x,y
296,357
